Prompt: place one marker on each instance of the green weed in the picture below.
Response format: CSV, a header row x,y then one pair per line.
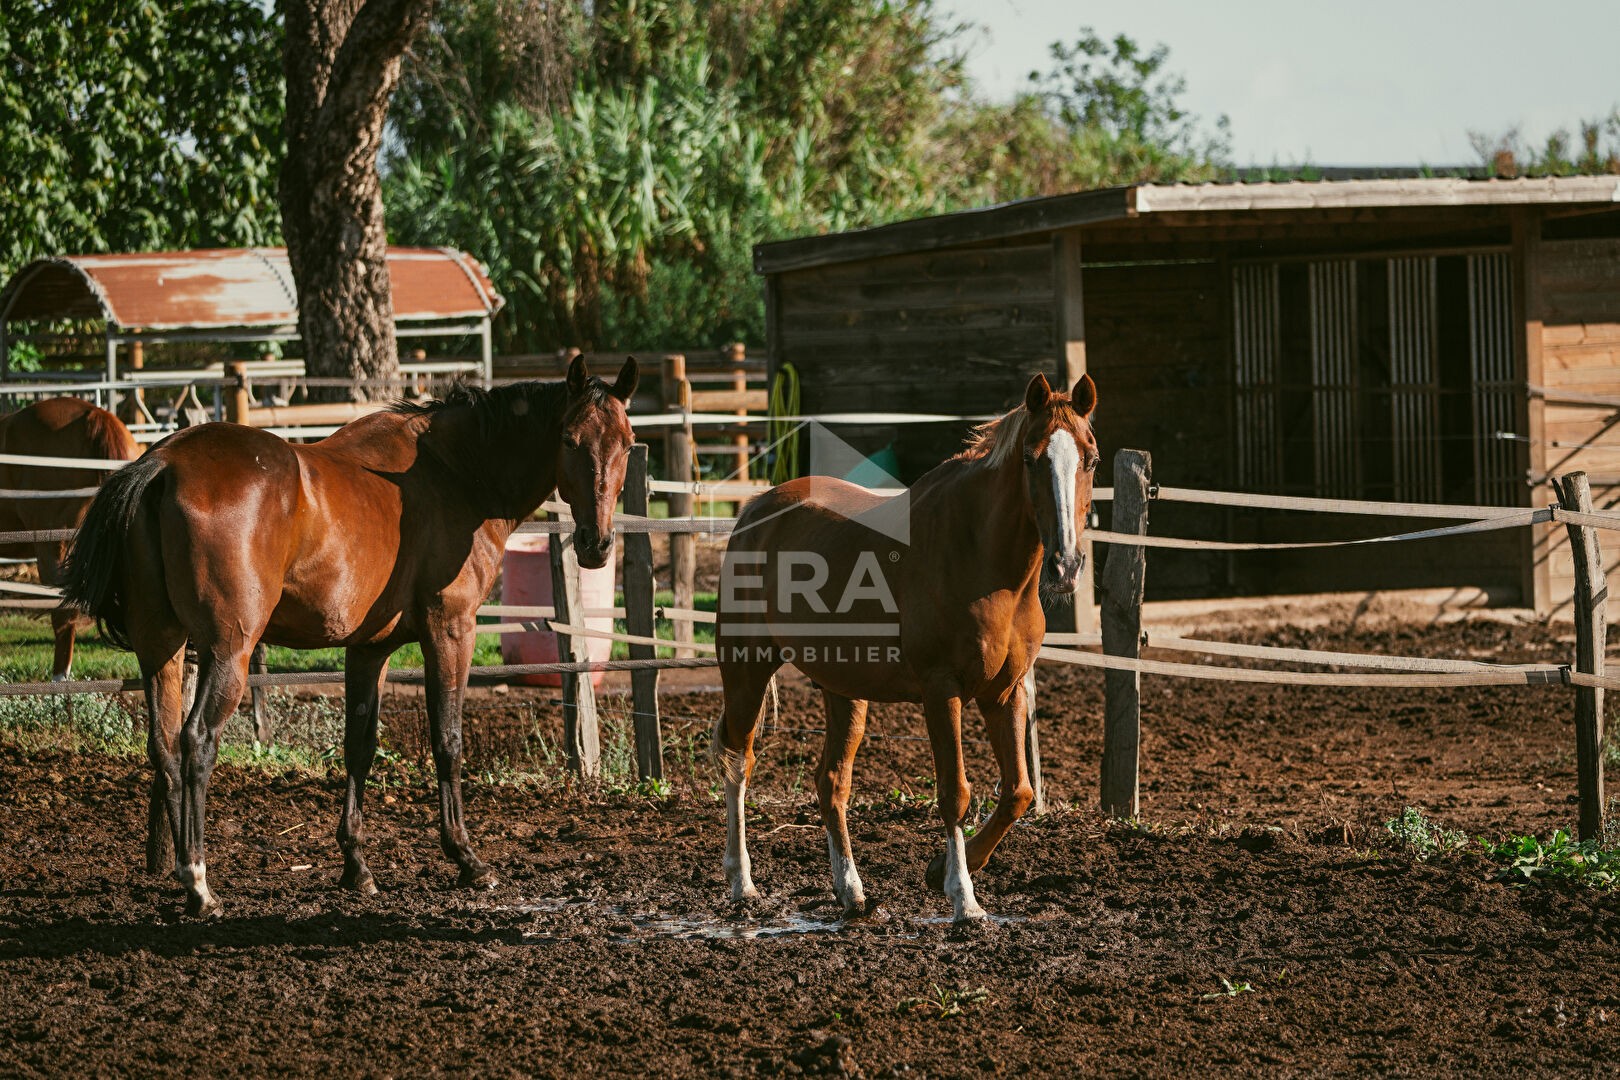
x,y
943,1003
1228,989
1421,836
1529,860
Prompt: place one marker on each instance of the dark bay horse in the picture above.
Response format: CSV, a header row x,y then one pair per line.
x,y
56,427
932,596
387,532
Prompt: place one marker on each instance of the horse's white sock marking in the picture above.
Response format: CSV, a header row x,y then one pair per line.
x,y
738,871
1065,458
958,884
846,882
194,876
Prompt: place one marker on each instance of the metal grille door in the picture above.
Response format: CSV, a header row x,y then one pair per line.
x,y
1256,333
1334,362
1414,379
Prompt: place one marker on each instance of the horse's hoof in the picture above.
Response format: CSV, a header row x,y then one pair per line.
x,y
362,882
970,916
204,907
935,877
476,877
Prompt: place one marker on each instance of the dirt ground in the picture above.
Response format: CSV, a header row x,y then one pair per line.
x,y
609,946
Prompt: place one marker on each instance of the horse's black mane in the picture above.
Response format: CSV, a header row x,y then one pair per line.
x,y
493,407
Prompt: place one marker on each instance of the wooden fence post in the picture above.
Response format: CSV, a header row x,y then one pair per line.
x,y
638,613
682,546
1032,745
1122,582
581,739
737,353
1591,630
237,401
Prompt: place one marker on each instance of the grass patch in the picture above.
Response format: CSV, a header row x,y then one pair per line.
x,y
27,649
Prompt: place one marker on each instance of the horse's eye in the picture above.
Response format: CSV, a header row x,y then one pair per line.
x,y
1029,457
570,442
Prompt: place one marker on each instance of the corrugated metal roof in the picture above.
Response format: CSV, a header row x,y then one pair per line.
x,y
237,287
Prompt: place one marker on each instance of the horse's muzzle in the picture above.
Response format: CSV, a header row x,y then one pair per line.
x,y
593,548
1062,572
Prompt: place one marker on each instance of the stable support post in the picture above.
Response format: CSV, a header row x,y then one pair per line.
x,y
237,400
638,614
737,354
1122,582
486,354
682,469
1032,745
1591,630
581,739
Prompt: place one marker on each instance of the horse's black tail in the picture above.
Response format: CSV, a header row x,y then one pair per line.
x,y
92,577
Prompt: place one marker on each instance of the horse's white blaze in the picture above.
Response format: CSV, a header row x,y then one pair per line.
x,y
958,883
846,882
1065,457
738,871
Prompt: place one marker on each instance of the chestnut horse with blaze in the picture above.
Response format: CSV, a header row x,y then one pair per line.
x,y
56,427
951,614
387,532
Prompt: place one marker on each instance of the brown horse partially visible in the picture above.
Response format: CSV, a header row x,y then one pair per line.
x,y
389,531
56,427
821,574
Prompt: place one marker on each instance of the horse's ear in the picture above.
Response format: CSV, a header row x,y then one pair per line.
x,y
1038,394
1084,397
625,384
577,375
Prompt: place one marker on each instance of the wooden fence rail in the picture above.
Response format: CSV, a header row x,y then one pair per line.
x,y
1122,636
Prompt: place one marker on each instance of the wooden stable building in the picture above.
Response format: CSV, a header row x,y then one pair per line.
x,y
1415,340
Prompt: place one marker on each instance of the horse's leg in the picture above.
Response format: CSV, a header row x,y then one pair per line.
x,y
163,715
65,621
732,746
363,673
221,678
846,723
944,714
447,654
257,665
1005,721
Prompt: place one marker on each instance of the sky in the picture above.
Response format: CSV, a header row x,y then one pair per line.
x,y
1373,82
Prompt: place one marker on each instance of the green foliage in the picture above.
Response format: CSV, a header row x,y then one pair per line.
x,y
617,204
1422,837
1529,860
140,125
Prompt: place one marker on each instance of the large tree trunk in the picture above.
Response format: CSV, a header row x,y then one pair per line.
x,y
342,60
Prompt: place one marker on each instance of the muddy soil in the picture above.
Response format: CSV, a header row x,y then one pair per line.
x,y
609,946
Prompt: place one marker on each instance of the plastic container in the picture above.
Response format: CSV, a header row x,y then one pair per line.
x,y
526,582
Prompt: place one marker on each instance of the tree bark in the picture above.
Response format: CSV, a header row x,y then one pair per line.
x,y
342,62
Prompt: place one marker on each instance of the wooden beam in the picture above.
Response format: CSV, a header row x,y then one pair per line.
x,y
1528,363
639,596
1591,627
1069,305
1122,586
581,739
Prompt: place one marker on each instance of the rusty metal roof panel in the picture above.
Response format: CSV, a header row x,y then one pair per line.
x,y
238,287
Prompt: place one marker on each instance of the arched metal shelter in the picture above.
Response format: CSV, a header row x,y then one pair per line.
x,y
235,294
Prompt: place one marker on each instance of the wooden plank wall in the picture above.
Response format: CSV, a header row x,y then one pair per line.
x,y
956,331
1578,301
1156,347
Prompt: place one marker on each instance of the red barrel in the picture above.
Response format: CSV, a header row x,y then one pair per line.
x,y
526,582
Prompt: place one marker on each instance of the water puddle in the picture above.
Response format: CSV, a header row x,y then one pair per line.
x,y
626,924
